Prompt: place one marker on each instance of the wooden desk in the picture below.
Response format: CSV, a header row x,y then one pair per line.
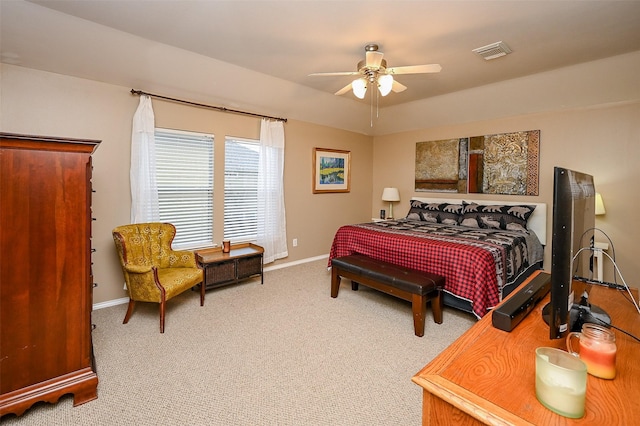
x,y
487,376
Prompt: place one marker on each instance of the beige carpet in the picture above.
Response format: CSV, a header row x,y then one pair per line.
x,y
282,353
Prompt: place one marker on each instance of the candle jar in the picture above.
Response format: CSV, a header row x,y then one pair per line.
x,y
226,246
597,348
561,382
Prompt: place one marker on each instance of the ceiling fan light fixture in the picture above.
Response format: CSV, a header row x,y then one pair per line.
x,y
359,87
373,72
385,83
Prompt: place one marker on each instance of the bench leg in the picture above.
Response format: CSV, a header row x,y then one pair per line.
x,y
335,281
354,285
436,306
419,307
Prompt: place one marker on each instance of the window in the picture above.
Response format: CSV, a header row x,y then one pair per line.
x,y
241,189
184,173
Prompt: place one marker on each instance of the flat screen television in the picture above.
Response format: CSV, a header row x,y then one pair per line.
x,y
572,241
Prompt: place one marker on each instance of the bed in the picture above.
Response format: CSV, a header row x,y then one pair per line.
x,y
484,249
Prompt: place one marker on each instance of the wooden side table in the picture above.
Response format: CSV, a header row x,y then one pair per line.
x,y
242,262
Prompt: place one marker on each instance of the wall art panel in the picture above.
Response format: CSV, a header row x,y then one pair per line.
x,y
506,163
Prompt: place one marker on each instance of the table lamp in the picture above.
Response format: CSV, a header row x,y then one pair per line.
x,y
390,195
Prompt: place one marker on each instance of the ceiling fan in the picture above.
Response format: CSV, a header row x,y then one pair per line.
x,y
373,71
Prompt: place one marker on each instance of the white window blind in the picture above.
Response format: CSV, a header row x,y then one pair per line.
x,y
241,189
184,173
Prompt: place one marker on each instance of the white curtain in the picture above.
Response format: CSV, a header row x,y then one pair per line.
x,y
272,224
144,189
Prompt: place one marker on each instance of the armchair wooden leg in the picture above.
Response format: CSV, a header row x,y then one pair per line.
x,y
129,311
162,316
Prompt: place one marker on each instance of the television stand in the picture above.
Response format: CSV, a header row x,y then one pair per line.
x,y
582,313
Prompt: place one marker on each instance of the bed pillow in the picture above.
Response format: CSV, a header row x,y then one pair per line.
x,y
511,218
446,213
469,216
417,210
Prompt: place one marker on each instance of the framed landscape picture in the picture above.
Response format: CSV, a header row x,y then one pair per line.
x,y
331,170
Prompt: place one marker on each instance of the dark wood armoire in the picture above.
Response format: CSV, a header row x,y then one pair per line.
x,y
46,283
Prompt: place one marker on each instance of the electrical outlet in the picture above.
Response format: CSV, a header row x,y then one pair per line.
x,y
295,242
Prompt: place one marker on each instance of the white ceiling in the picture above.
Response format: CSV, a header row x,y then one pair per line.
x,y
291,39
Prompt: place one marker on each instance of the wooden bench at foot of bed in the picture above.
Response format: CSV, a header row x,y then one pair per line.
x,y
417,287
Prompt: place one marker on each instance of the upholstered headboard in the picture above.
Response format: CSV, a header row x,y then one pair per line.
x,y
537,221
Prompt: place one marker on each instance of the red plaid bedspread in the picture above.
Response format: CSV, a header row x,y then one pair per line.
x,y
474,270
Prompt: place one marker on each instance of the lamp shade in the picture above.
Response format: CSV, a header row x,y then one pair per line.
x,y
599,205
390,194
359,87
385,83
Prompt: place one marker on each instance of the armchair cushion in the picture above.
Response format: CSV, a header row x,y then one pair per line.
x,y
175,280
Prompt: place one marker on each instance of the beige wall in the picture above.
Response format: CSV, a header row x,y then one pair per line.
x,y
603,141
41,103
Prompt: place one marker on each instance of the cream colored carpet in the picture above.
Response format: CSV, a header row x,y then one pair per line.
x,y
282,353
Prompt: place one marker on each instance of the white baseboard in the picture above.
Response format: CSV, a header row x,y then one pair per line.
x,y
297,262
124,300
110,303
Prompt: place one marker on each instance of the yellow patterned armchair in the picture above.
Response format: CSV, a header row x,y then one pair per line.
x,y
152,270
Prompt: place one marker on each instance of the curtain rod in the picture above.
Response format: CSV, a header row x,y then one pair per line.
x,y
223,109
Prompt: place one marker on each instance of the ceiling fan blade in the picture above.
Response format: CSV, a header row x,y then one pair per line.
x,y
415,69
334,73
398,87
373,59
344,90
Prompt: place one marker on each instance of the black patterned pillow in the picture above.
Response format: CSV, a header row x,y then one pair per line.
x,y
416,211
511,218
448,214
469,216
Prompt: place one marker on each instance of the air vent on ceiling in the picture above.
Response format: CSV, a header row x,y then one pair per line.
x,y
493,50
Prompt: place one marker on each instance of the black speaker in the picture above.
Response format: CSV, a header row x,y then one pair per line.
x,y
510,313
